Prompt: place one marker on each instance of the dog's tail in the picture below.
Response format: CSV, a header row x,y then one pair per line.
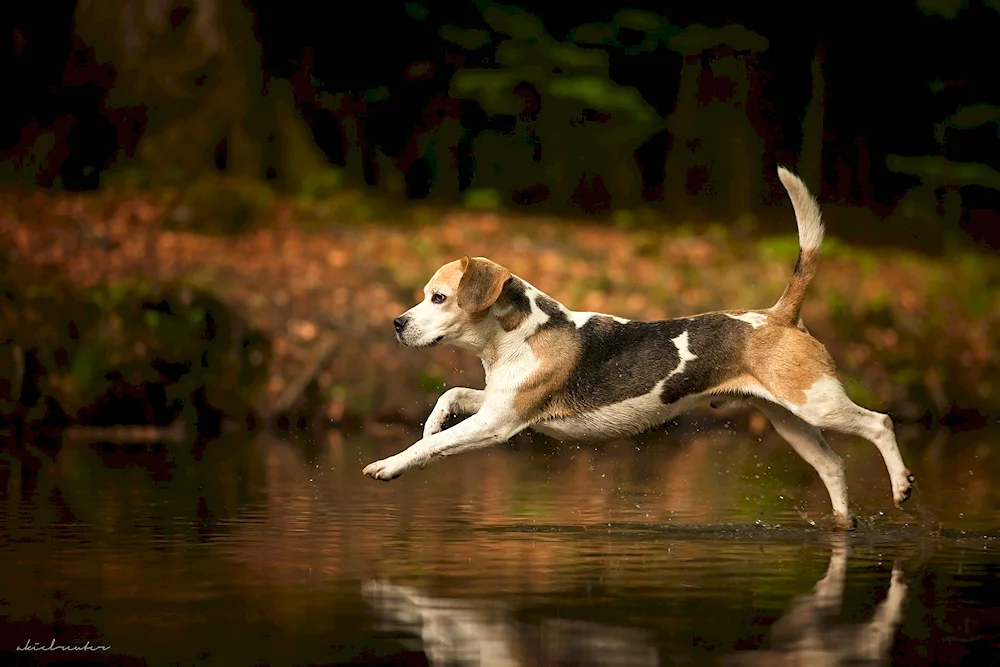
x,y
807,215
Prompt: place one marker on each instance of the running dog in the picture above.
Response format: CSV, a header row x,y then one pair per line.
x,y
585,376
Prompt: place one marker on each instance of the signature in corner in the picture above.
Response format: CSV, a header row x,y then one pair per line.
x,y
53,646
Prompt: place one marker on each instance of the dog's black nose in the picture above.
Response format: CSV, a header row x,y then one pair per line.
x,y
400,323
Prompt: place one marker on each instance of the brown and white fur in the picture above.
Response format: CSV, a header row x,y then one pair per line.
x,y
589,376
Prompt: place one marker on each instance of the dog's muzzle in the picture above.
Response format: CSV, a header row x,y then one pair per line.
x,y
400,324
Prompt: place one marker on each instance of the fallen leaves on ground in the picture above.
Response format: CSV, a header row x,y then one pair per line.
x,y
879,314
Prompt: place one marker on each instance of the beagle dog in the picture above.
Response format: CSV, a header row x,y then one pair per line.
x,y
583,376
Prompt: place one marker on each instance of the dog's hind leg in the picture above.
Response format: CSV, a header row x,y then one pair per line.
x,y
827,406
808,442
456,401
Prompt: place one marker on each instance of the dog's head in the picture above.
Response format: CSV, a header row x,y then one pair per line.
x,y
457,300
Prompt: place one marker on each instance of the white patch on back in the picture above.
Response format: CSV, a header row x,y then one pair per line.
x,y
537,317
630,416
577,318
581,318
753,319
681,343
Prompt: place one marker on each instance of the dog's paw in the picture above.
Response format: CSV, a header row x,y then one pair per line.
x,y
902,488
898,580
846,523
386,469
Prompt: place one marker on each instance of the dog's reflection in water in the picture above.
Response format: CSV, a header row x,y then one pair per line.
x,y
807,633
460,632
468,632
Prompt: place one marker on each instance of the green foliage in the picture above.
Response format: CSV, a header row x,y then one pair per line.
x,y
512,21
598,34
24,169
527,53
573,57
491,88
975,115
783,247
416,10
137,176
324,202
639,20
601,93
573,80
468,39
658,31
484,199
623,219
430,381
81,336
321,184
947,9
938,171
377,94
697,38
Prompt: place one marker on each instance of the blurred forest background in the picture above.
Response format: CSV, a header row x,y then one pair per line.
x,y
211,210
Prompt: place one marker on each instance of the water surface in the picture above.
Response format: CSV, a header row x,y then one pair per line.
x,y
704,547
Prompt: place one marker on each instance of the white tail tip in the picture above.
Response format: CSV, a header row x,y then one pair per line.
x,y
807,213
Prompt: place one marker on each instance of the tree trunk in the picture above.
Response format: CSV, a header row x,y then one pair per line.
x,y
811,160
682,128
197,74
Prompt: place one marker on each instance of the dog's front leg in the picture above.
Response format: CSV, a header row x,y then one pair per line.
x,y
456,401
478,431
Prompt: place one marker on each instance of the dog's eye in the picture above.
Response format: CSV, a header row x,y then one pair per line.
x,y
437,297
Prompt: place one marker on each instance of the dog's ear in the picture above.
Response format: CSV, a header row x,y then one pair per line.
x,y
481,284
